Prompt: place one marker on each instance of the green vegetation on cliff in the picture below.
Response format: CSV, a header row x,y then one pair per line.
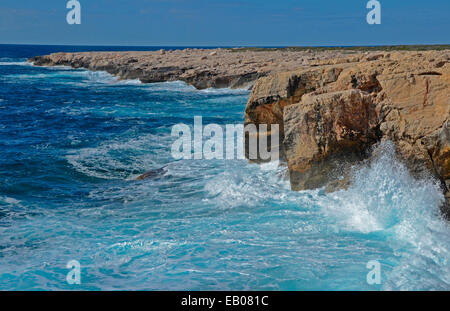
x,y
439,47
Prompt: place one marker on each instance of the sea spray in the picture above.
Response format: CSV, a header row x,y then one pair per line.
x,y
383,197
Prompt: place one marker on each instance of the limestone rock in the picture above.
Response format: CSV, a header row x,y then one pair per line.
x,y
332,112
202,68
325,131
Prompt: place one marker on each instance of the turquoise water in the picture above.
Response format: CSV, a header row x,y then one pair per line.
x,y
73,141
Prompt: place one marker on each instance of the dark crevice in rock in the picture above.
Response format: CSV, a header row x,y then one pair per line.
x,y
445,208
293,85
354,82
430,73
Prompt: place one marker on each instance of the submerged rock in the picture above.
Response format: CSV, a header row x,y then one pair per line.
x,y
153,173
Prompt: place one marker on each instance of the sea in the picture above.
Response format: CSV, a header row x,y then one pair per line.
x,y
73,141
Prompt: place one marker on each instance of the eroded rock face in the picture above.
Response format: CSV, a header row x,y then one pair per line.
x,y
270,95
325,131
332,112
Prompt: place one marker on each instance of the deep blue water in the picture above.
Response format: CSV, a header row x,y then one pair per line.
x,y
72,142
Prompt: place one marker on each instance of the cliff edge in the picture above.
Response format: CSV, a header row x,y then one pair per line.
x,y
332,112
202,68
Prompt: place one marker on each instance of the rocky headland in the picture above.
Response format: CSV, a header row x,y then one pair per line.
x,y
332,112
202,68
332,106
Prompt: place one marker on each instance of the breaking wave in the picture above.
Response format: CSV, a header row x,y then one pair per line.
x,y
5,61
385,199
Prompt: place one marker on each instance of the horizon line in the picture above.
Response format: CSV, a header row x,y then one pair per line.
x,y
232,46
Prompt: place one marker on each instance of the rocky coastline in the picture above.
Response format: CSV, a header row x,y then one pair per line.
x,y
332,106
331,113
202,68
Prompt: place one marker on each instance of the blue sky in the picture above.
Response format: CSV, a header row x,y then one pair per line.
x,y
225,22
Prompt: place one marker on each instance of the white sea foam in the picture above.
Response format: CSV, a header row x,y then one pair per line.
x,y
383,202
260,183
118,159
130,82
9,201
172,86
99,77
103,77
220,91
181,86
90,77
60,67
142,245
4,61
29,76
385,198
383,195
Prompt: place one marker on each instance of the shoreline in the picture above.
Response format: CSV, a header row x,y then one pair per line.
x,y
202,68
210,67
332,105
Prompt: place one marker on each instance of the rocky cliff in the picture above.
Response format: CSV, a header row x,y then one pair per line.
x,y
202,68
332,112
